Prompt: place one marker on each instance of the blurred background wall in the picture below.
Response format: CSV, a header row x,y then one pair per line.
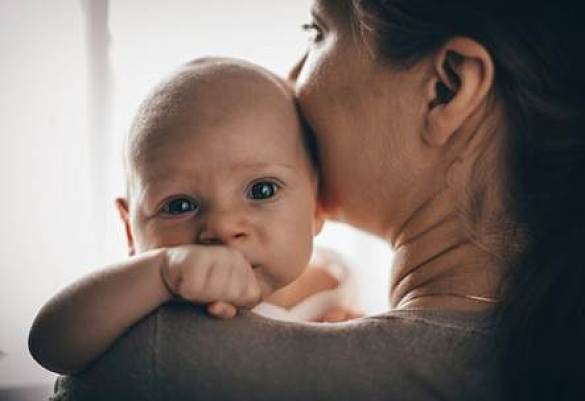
x,y
72,73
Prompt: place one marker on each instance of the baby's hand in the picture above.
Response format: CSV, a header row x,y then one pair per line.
x,y
215,275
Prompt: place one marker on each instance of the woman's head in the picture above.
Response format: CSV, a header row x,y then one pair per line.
x,y
375,70
390,131
364,84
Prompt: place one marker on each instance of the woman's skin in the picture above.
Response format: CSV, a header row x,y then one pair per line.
x,y
415,152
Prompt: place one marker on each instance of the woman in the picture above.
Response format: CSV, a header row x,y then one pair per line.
x,y
453,129
478,108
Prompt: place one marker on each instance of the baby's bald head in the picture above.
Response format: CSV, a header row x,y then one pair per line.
x,y
217,155
202,94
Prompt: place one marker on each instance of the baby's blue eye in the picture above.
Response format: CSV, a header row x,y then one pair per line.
x,y
263,190
179,206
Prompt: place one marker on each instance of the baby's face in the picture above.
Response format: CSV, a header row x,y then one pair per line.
x,y
238,177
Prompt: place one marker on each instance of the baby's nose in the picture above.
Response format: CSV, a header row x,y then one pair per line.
x,y
224,228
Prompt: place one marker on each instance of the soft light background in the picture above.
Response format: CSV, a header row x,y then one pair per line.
x,y
65,105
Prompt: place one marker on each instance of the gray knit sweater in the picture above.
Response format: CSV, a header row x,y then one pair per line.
x,y
178,353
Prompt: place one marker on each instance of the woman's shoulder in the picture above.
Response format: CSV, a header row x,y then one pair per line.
x,y
413,355
186,324
449,321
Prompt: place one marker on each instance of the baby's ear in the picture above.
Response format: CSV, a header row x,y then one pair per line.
x,y
319,218
122,206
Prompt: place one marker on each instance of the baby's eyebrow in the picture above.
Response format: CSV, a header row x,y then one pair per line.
x,y
154,182
259,165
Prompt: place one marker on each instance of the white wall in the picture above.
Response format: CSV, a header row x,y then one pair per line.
x,y
44,205
50,224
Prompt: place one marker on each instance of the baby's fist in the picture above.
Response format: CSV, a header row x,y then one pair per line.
x,y
211,273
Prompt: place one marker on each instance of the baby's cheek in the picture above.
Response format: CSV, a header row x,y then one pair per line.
x,y
169,233
288,266
289,236
299,250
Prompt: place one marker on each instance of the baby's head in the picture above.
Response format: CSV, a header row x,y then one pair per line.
x,y
217,155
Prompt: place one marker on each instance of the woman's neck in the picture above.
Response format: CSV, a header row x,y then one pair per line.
x,y
438,264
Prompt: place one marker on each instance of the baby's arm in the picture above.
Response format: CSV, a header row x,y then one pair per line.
x,y
306,298
83,320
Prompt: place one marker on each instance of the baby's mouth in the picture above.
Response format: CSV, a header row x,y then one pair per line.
x,y
255,266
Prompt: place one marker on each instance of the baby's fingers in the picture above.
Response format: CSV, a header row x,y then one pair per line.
x,y
221,310
250,294
339,315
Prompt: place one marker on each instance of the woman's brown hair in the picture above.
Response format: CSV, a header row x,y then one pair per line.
x,y
537,49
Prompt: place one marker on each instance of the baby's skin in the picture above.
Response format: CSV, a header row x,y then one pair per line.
x,y
221,210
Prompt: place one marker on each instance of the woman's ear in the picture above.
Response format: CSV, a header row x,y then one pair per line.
x,y
462,77
122,206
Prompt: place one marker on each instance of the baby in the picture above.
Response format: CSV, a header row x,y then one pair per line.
x,y
221,210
